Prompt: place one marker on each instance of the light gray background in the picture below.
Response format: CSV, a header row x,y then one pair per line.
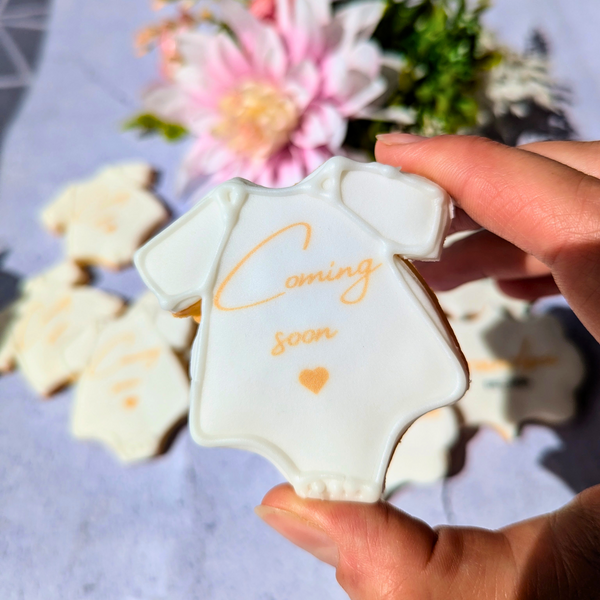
x,y
74,523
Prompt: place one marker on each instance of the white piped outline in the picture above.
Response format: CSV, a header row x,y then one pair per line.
x,y
231,196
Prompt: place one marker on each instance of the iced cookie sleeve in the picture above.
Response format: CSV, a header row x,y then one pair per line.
x,y
138,174
176,264
407,210
55,215
318,346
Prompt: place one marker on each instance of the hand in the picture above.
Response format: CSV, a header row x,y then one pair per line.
x,y
540,207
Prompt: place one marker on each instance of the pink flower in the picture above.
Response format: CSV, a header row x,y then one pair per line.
x,y
263,9
271,102
164,36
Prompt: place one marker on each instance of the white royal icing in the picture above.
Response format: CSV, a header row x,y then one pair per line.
x,y
65,274
178,333
470,300
133,390
106,218
422,456
7,350
522,369
49,325
318,345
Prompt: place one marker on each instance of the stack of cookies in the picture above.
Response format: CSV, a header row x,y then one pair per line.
x,y
127,363
522,367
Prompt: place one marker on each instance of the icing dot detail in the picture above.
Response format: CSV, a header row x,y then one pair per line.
x,y
302,283
130,402
317,486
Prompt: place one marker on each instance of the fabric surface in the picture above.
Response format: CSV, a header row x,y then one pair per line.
x,y
22,26
74,523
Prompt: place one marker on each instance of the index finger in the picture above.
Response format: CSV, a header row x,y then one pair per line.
x,y
536,203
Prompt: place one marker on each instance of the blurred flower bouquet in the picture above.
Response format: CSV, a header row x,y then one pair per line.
x,y
268,90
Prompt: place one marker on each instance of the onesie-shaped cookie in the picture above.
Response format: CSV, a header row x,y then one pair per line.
x,y
470,301
53,321
178,333
318,346
106,218
523,369
64,274
133,390
422,456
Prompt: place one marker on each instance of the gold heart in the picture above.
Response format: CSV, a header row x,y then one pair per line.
x,y
314,379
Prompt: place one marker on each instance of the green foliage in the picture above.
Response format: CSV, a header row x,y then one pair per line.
x,y
149,124
439,42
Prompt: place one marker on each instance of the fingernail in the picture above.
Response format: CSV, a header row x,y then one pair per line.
x,y
392,139
300,532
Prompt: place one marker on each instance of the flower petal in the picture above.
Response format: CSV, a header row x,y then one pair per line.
x,y
302,84
320,9
226,61
306,38
269,55
260,41
347,72
358,21
365,57
167,102
322,125
402,115
353,105
266,175
292,169
315,157
283,15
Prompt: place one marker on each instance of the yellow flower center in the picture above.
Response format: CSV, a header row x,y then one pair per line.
x,y
256,119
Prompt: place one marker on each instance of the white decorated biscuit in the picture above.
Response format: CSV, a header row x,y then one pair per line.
x,y
318,345
471,300
133,390
66,273
7,350
521,370
63,274
105,219
422,456
177,332
49,326
35,308
54,317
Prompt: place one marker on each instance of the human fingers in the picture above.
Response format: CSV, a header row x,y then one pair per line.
x,y
542,206
529,289
558,555
462,222
583,156
523,197
381,553
478,256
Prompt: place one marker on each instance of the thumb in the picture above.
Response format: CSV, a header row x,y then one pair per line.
x,y
381,553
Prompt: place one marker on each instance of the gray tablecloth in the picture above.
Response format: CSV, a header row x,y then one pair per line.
x,y
76,524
